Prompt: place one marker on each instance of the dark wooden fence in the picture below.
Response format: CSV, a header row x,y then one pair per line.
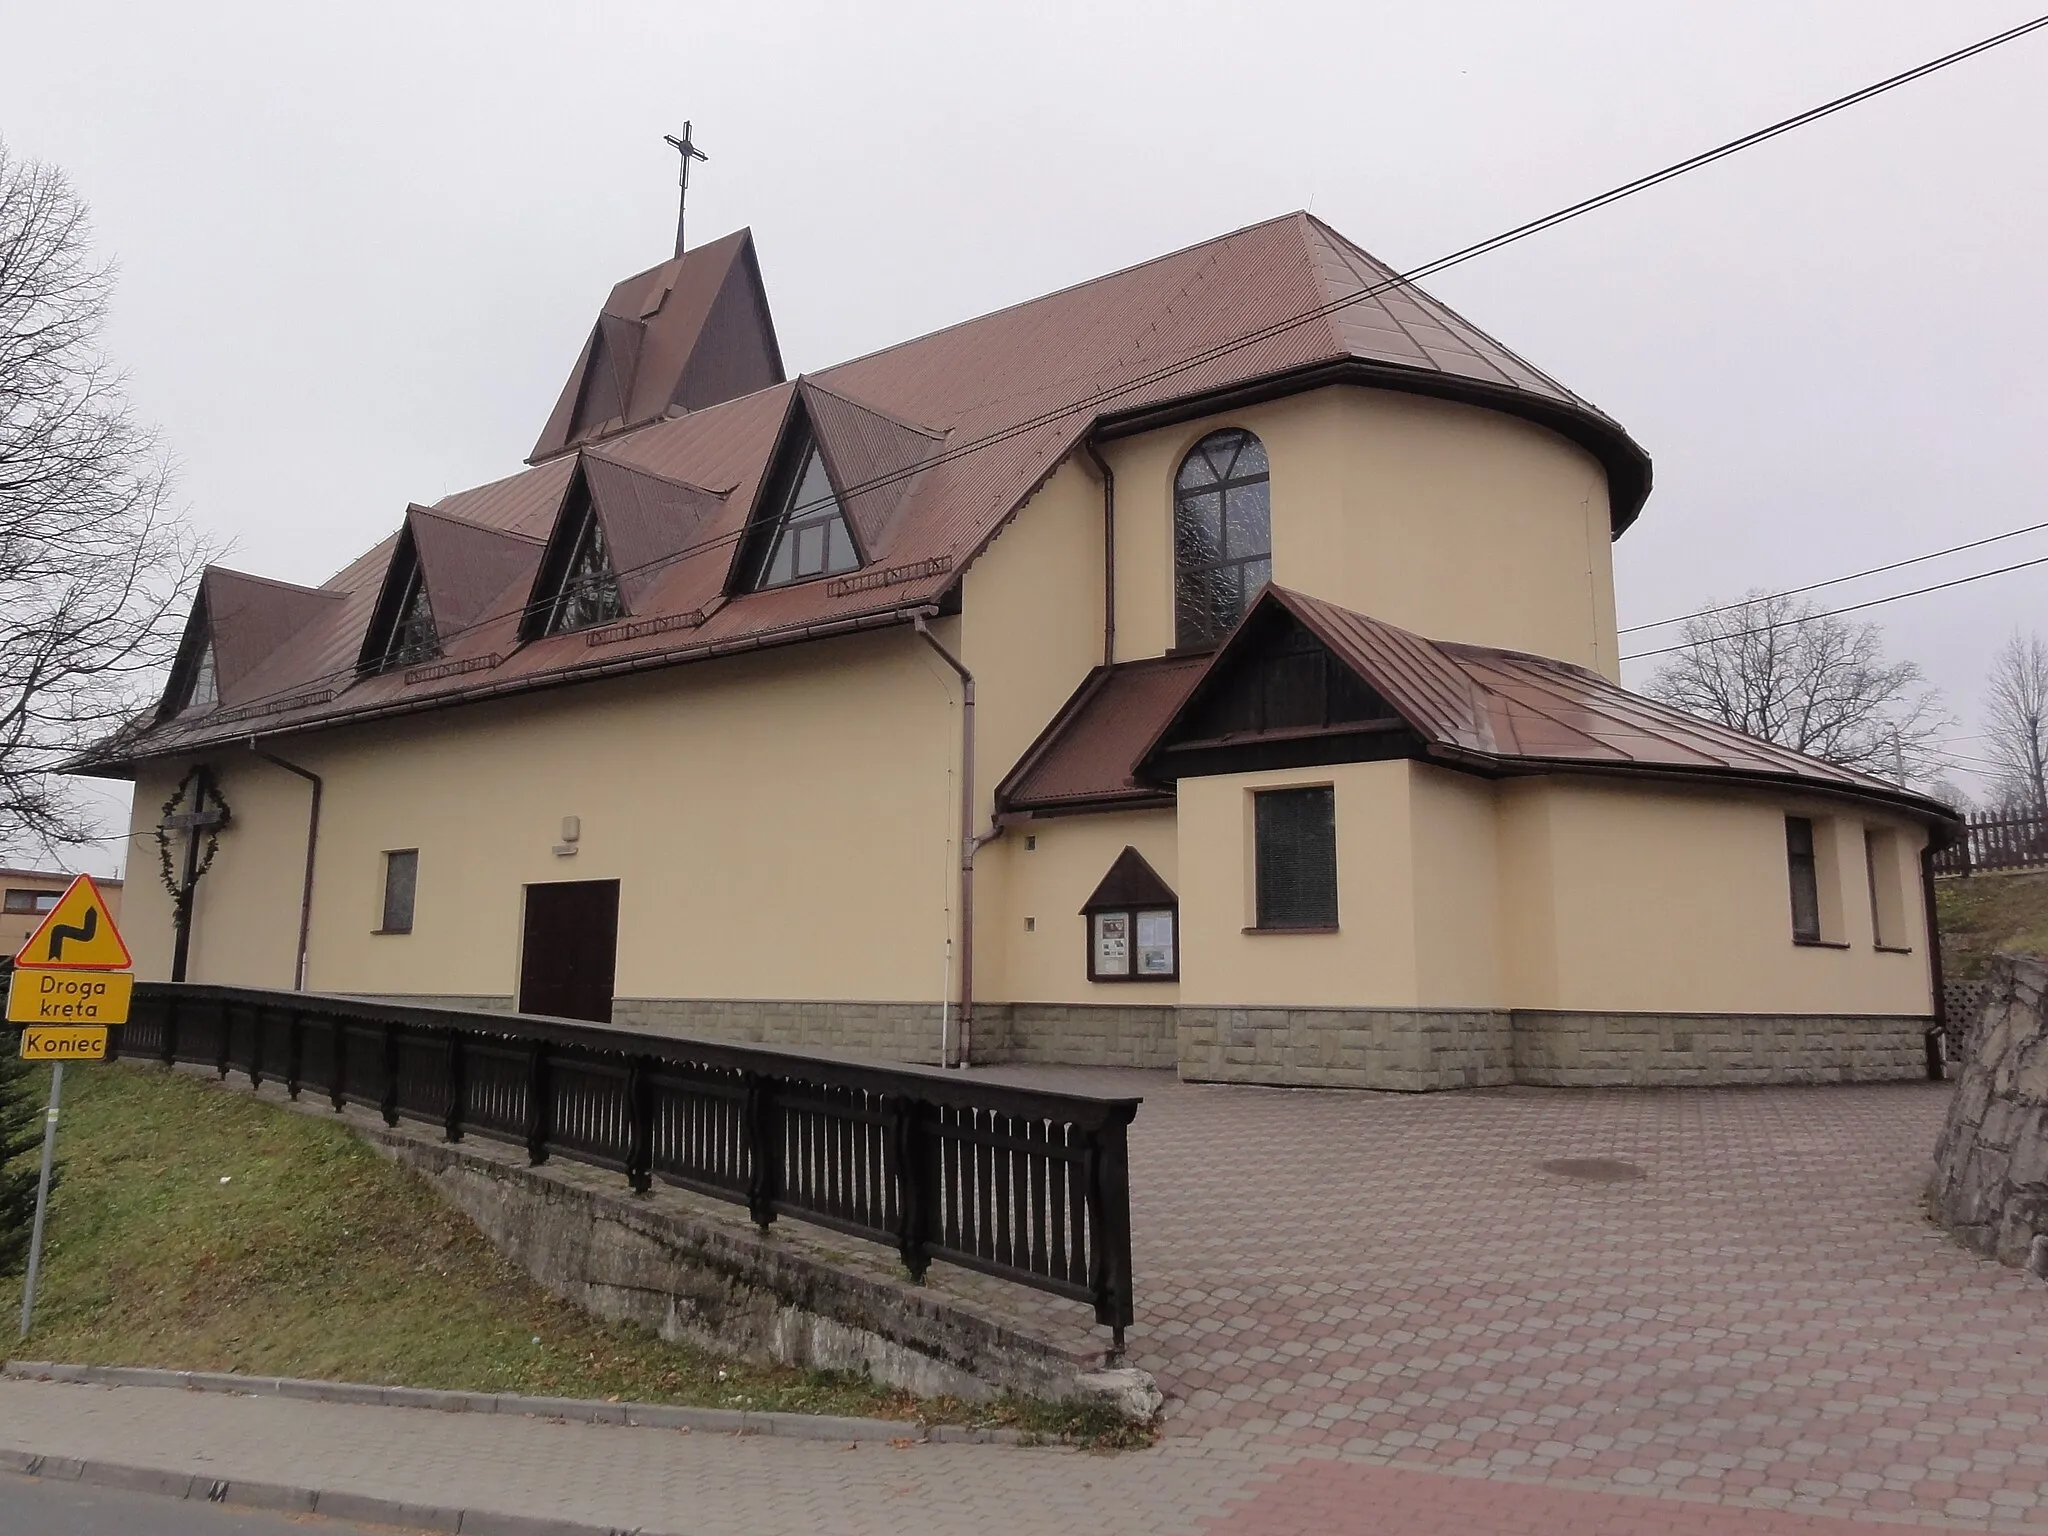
x,y
1996,842
1026,1185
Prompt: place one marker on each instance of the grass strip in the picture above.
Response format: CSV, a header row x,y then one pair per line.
x,y
203,1230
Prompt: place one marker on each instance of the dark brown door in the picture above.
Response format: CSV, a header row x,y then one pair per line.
x,y
571,946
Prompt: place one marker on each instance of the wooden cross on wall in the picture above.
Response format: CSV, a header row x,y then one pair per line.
x,y
207,815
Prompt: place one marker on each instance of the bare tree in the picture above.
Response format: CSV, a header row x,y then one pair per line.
x,y
95,565
1774,667
2016,722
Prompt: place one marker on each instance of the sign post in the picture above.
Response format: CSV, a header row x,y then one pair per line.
x,y
72,979
35,1242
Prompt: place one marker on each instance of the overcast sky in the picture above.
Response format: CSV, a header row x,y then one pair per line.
x,y
360,245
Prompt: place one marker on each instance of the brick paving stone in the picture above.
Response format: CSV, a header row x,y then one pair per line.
x,y
1372,1313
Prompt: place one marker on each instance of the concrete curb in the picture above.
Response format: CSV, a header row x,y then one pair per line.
x,y
575,1410
295,1501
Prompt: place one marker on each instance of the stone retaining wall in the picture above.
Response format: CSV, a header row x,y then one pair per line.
x,y
1990,1183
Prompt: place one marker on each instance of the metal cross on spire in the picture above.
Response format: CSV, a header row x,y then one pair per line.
x,y
689,152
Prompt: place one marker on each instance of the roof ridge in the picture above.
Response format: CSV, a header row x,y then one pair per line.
x,y
589,451
1056,293
1350,251
272,581
810,381
414,509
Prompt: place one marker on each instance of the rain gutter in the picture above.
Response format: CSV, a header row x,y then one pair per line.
x,y
312,848
969,842
1108,552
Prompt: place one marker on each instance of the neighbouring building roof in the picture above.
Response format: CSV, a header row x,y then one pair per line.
x,y
933,444
55,874
1131,730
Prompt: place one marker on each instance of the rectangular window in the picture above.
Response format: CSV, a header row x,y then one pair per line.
x,y
401,876
1799,860
1295,854
1132,945
1887,889
31,901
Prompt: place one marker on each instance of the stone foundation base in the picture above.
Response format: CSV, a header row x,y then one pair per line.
x,y
1409,1050
1404,1050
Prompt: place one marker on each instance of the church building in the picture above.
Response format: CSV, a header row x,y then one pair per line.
x,y
1212,666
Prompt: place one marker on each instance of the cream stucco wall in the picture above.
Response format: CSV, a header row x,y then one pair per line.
x,y
1674,899
1460,893
1046,884
780,825
1455,522
1371,961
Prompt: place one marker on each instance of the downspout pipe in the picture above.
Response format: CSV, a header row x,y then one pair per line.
x,y
1108,553
312,848
969,843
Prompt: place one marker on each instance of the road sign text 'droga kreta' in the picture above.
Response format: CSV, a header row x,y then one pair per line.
x,y
69,997
77,935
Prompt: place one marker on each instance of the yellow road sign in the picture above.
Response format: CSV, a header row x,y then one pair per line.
x,y
69,1044
78,935
69,997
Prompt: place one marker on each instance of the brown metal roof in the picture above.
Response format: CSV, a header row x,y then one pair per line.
x,y
1131,882
952,432
1087,757
689,333
467,566
1499,711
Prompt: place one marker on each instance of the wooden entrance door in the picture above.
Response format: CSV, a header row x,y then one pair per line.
x,y
570,949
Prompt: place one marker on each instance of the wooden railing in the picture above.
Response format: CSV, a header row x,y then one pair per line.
x,y
1996,842
1027,1185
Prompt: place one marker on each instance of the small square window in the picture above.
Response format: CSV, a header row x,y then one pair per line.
x,y
1295,855
401,877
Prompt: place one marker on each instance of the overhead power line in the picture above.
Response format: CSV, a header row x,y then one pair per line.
x,y
1836,581
1264,333
1808,618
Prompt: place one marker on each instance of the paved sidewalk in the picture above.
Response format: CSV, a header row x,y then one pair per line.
x,y
1374,1314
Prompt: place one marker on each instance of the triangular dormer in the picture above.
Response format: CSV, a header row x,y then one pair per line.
x,y
838,476
621,529
241,638
444,577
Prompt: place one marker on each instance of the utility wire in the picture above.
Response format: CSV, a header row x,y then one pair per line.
x,y
1264,333
1836,581
1875,602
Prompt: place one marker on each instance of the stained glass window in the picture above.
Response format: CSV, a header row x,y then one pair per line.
x,y
413,637
1222,535
205,690
590,588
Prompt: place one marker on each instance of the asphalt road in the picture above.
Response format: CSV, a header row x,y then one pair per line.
x,y
34,1507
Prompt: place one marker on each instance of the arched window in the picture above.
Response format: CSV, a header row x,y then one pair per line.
x,y
1222,535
